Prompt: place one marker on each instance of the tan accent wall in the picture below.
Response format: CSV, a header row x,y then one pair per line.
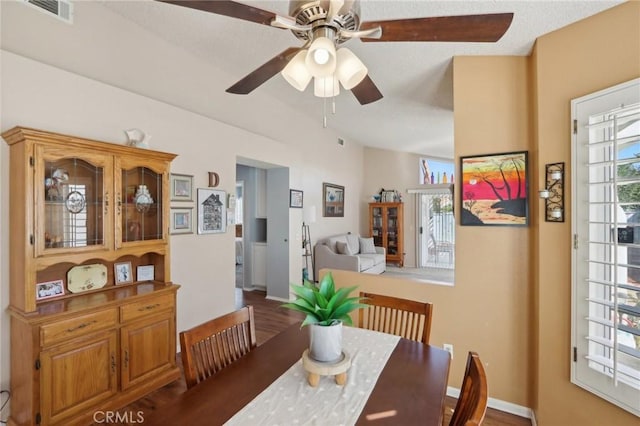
x,y
585,57
512,296
464,317
492,114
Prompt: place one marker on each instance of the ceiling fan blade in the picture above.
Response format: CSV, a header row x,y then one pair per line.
x,y
263,72
366,91
469,28
228,8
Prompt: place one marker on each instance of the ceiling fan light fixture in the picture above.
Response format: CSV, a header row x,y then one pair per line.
x,y
350,69
326,87
296,72
321,57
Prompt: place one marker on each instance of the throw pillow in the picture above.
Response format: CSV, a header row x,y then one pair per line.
x,y
352,242
367,246
343,248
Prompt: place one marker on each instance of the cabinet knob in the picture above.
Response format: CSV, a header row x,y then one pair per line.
x,y
106,203
113,363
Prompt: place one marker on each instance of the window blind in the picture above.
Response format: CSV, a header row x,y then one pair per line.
x,y
606,260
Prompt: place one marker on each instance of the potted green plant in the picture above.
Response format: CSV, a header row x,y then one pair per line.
x,y
326,310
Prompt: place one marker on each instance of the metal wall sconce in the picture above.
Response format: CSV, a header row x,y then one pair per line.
x,y
553,194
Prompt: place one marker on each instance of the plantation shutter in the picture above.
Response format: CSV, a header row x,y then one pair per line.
x,y
606,258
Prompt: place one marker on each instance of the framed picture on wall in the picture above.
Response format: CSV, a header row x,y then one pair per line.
x,y
332,200
181,220
181,187
295,198
212,212
494,189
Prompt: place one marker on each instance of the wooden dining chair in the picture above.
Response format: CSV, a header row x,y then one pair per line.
x,y
406,318
472,402
209,347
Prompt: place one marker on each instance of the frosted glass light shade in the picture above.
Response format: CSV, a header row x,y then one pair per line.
x,y
321,57
326,87
296,72
350,70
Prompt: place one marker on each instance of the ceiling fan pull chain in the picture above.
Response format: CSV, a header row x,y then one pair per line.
x,y
324,113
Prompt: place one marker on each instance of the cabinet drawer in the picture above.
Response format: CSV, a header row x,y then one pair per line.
x,y
144,307
77,326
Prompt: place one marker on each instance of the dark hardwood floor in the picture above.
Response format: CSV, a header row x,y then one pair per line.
x,y
270,320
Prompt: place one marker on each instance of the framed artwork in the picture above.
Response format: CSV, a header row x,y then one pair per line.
x,y
181,220
145,273
332,200
181,187
49,289
295,198
212,212
123,273
494,190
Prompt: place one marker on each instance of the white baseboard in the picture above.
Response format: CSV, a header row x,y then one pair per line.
x,y
255,288
498,404
279,299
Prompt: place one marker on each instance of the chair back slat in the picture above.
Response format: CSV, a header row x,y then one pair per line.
x,y
406,318
215,344
472,402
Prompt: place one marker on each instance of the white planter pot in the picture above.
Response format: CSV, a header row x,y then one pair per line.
x,y
325,342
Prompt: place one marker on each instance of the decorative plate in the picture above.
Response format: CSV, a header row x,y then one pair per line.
x,y
86,277
75,202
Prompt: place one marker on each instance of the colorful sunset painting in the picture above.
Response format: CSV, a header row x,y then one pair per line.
x,y
494,189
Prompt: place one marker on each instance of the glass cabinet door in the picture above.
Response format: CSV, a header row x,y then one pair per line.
x,y
140,210
376,226
73,214
392,230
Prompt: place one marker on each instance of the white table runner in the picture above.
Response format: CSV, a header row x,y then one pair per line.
x,y
291,401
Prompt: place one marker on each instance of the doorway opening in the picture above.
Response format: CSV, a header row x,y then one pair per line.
x,y
239,215
436,232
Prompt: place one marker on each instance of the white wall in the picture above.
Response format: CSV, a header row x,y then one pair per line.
x,y
41,96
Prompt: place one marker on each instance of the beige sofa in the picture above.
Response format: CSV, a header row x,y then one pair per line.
x,y
349,252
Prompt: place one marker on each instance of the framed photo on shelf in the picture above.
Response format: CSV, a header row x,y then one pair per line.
x,y
332,200
388,196
295,198
212,213
494,190
122,272
145,273
49,289
181,187
181,220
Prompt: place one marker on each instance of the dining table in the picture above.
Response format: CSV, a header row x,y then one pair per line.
x,y
410,388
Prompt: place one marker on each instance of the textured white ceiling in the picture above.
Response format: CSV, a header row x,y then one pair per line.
x,y
415,114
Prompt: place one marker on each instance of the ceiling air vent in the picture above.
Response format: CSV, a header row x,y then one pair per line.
x,y
62,9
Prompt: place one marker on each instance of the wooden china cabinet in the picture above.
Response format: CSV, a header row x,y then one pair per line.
x,y
386,227
83,341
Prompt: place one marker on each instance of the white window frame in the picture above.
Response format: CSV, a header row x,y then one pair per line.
x,y
596,365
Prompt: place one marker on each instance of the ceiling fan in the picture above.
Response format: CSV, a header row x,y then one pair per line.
x,y
325,24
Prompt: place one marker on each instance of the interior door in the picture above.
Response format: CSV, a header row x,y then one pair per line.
x,y
278,233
